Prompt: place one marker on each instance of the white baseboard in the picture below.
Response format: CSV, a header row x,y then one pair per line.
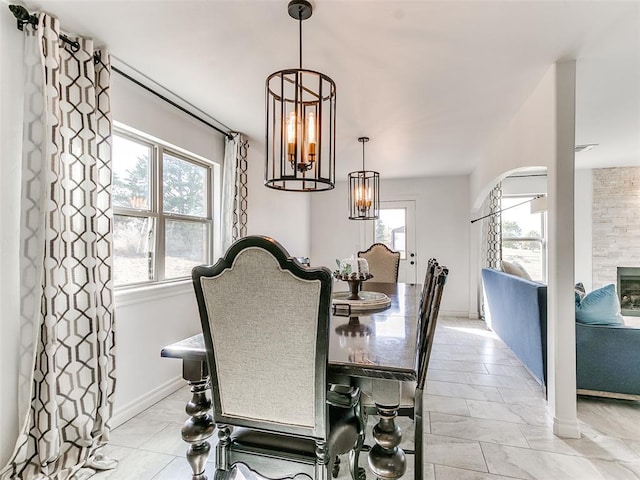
x,y
563,428
140,404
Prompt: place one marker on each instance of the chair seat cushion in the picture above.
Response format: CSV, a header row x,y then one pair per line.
x,y
248,437
240,471
343,434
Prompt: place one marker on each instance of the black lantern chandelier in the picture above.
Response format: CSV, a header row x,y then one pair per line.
x,y
364,192
301,124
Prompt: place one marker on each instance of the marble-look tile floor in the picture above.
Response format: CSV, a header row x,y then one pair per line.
x,y
484,420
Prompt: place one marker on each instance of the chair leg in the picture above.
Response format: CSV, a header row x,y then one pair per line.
x,y
222,451
357,472
324,461
335,470
419,433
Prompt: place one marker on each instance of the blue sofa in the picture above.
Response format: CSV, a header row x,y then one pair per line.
x,y
607,357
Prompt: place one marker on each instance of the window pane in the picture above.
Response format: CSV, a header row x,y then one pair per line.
x,y
527,253
390,229
519,221
184,187
132,244
186,245
131,173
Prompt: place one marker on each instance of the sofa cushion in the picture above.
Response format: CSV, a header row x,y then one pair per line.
x,y
514,268
599,307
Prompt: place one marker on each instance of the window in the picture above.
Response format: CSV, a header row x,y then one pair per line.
x,y
523,236
390,229
162,205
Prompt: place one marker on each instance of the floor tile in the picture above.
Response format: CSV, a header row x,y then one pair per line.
x,y
168,440
135,432
170,410
616,418
451,473
455,366
509,370
138,465
180,469
617,470
470,428
592,446
537,465
507,412
459,390
486,380
500,358
454,452
523,398
440,404
447,347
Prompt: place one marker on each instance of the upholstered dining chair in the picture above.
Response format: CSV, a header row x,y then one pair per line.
x,y
383,263
265,324
411,392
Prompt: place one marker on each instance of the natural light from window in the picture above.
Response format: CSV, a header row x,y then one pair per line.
x,y
162,203
523,236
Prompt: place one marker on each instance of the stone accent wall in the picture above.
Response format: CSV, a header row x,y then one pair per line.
x,y
616,222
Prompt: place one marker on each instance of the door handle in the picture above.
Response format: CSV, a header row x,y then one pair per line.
x,y
412,255
412,262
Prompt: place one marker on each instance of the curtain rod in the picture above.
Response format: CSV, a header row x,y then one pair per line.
x,y
23,17
507,208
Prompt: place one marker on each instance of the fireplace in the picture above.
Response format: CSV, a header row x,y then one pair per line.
x,y
629,290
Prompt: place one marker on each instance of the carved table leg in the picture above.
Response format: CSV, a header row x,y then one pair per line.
x,y
199,426
386,458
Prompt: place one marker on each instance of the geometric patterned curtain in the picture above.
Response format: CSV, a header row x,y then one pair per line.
x,y
491,235
67,376
492,229
234,190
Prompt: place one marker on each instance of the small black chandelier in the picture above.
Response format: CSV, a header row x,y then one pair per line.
x,y
364,192
301,124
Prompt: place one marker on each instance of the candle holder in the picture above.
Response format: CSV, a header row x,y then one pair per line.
x,y
355,282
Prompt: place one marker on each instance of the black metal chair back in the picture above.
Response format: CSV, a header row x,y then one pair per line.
x,y
429,329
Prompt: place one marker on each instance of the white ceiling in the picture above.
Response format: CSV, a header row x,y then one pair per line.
x,y
431,83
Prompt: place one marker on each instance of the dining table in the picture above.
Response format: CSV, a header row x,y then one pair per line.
x,y
373,347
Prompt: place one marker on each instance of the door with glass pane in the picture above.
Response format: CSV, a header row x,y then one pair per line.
x,y
396,229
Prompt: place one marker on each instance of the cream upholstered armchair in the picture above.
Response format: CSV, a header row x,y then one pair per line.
x,y
265,323
383,263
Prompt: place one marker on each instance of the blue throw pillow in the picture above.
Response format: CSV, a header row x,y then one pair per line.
x,y
600,307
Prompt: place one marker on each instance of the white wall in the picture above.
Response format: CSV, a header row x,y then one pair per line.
x,y
528,140
442,218
10,139
283,216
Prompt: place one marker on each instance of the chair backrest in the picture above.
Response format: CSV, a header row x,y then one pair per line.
x,y
383,263
265,324
426,342
426,295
